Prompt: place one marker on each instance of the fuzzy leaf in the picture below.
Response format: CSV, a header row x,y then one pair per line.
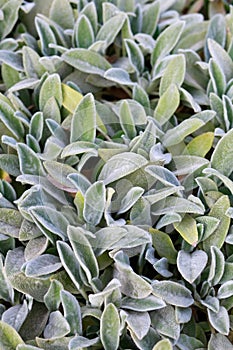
x,y
171,75
164,322
219,320
188,229
173,293
110,29
218,211
94,203
57,326
218,341
166,41
135,55
145,304
110,328
163,245
9,338
86,61
167,105
42,265
163,345
9,119
222,156
177,134
83,252
72,312
191,265
83,125
121,165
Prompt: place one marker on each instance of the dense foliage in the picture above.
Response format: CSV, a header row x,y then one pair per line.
x,y
116,157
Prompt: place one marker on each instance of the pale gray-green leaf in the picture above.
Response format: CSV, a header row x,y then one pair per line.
x,y
110,328
191,265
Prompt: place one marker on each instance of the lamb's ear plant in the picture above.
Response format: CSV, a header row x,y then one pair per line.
x,y
116,158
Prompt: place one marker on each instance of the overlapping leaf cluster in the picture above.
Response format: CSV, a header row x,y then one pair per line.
x,y
116,159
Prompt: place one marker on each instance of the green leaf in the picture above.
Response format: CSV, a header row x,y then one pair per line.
x,y
138,323
83,32
130,199
167,104
83,125
91,12
222,156
62,13
10,10
9,119
10,222
216,267
42,265
173,293
132,285
71,98
135,55
51,88
140,95
218,211
150,303
217,77
27,347
86,61
83,252
187,228
220,320
33,68
166,41
226,290
200,145
119,76
178,133
126,120
163,245
70,263
94,203
216,31
164,322
163,345
29,162
110,328
150,17
110,29
57,326
36,126
171,75
191,265
218,341
46,35
72,312
121,165
52,298
35,287
79,342
172,204
9,338
15,315
221,57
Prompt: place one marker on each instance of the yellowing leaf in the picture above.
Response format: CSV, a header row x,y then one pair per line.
x,y
187,228
200,145
71,98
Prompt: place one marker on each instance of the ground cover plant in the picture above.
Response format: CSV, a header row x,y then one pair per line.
x,y
116,158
